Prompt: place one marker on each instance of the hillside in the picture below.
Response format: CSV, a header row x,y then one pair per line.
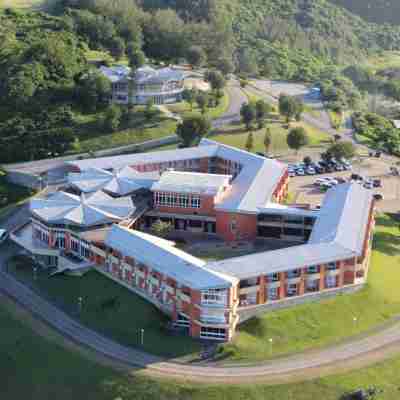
x,y
290,38
379,11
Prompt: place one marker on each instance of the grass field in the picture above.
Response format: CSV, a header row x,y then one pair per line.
x,y
95,289
91,136
184,110
35,368
292,330
239,136
326,322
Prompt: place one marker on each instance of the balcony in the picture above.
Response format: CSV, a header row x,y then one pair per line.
x,y
249,289
24,237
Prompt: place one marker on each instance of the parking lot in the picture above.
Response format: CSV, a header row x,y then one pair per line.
x,y
306,192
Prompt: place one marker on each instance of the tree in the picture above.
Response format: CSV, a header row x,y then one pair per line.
x,y
196,56
267,140
216,79
289,107
150,111
112,118
342,150
161,228
136,59
248,114
307,160
225,65
297,138
189,95
249,142
202,101
262,110
93,91
117,48
192,129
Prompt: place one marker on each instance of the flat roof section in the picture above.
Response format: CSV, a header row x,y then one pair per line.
x,y
167,259
118,162
191,182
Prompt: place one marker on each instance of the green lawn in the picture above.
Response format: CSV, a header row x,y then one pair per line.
x,y
184,110
325,322
122,323
35,368
91,136
237,137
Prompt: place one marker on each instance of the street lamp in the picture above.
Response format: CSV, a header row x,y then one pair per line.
x,y
141,337
355,319
80,300
270,340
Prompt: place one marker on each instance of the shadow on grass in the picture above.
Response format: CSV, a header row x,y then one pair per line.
x,y
387,243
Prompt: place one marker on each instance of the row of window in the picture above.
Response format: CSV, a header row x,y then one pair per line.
x,y
214,297
177,200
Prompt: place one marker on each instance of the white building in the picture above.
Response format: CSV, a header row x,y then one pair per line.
x,y
162,86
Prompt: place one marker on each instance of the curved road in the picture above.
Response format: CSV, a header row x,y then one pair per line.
x,y
360,351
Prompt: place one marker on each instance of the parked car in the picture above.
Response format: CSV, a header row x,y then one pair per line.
x,y
3,235
320,181
310,171
377,183
319,169
356,177
339,167
330,168
378,197
368,185
292,174
300,172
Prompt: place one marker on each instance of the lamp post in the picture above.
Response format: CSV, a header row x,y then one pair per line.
x,y
355,319
80,301
141,336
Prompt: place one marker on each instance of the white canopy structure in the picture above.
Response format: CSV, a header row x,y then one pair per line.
x,y
85,210
119,183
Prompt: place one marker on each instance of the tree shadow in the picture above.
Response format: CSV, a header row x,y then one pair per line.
x,y
387,243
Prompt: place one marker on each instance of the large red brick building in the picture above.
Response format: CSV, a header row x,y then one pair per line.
x,y
211,190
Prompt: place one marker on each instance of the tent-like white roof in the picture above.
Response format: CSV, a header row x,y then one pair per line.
x,y
166,259
85,210
91,180
118,183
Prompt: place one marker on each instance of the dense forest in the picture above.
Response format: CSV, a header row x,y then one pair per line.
x,y
45,76
379,11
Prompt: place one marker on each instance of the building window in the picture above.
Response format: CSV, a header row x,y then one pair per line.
x,y
177,200
234,226
216,333
273,277
272,294
214,297
195,201
330,282
292,290
294,274
312,269
312,286
332,266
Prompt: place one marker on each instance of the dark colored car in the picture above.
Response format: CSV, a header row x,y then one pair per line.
x,y
377,183
319,169
356,177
